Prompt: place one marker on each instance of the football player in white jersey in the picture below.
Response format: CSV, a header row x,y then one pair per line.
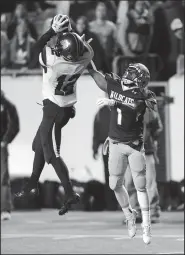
x,y
62,65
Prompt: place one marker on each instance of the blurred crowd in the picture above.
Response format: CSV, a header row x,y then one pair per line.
x,y
118,28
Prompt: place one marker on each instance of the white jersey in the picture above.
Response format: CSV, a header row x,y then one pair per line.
x,y
60,76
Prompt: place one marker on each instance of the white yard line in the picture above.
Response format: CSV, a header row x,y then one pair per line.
x,y
36,222
67,236
174,252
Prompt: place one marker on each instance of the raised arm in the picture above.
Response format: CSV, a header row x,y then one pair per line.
x,y
59,24
39,45
98,77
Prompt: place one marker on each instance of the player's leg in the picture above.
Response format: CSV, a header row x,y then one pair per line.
x,y
38,165
62,173
152,187
58,163
111,201
129,185
38,145
117,166
56,160
138,168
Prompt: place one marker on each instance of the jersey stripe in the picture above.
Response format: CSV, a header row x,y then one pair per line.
x,y
56,150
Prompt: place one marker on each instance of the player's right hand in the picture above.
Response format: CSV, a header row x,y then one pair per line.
x,y
105,101
73,112
95,155
61,23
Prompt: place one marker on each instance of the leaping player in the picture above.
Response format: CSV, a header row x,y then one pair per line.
x,y
62,66
128,99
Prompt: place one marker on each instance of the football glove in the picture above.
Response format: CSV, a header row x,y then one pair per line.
x,y
73,112
61,23
105,101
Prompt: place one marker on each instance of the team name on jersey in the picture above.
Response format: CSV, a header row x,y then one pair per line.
x,y
123,99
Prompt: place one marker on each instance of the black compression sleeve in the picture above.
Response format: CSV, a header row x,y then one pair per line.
x,y
39,45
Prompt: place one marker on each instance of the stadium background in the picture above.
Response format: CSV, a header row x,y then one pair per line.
x,y
77,136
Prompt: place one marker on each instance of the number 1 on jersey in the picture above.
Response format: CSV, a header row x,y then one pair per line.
x,y
119,120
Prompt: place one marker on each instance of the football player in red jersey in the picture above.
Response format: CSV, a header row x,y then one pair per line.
x,y
62,65
128,99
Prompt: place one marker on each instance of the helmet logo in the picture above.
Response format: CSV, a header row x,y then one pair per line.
x,y
65,44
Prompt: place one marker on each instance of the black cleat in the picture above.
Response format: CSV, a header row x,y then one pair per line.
x,y
24,193
67,205
139,220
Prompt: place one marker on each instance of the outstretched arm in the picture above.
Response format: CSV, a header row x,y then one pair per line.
x,y
98,77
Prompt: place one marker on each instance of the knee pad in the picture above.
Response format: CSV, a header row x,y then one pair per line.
x,y
115,182
140,180
137,162
138,168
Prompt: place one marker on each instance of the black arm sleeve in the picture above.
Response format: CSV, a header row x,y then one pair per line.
x,y
39,45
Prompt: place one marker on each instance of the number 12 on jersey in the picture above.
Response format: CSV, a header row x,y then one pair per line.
x,y
119,118
66,84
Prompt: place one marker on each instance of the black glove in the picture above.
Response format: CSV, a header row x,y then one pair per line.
x,y
95,154
73,112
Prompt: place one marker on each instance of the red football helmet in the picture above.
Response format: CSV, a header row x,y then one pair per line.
x,y
138,74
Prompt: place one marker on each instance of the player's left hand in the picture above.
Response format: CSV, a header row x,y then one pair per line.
x,y
73,112
105,101
95,155
61,23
